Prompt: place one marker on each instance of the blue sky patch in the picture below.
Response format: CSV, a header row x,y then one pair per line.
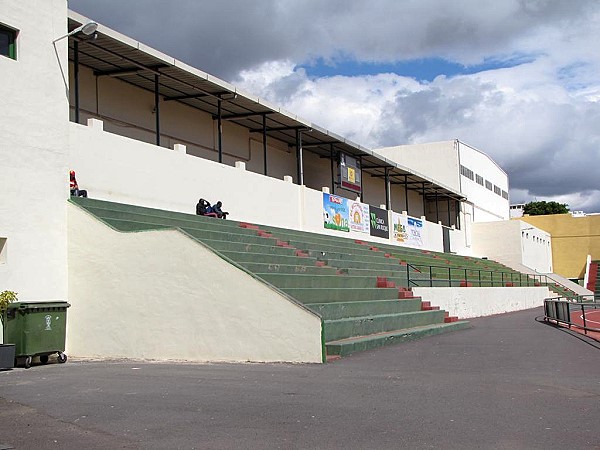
x,y
425,69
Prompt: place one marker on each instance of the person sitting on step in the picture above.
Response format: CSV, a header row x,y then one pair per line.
x,y
75,191
203,208
216,208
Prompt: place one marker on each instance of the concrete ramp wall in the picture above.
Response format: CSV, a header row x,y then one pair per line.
x,y
469,302
161,295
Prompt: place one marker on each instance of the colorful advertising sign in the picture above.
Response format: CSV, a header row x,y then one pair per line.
x,y
407,230
335,212
379,225
359,216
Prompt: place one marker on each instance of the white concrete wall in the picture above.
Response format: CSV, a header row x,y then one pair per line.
x,y
33,152
488,205
115,168
469,302
537,247
124,170
438,160
161,295
513,242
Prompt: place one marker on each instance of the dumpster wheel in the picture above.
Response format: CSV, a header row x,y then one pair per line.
x,y
44,359
62,357
28,360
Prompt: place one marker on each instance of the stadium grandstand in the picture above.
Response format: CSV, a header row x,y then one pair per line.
x,y
329,248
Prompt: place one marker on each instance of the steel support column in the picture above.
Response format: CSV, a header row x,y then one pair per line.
x,y
157,108
264,137
299,158
424,200
332,168
437,208
449,216
220,128
76,77
388,201
406,192
361,180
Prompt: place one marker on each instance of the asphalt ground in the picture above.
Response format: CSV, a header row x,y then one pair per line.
x,y
509,382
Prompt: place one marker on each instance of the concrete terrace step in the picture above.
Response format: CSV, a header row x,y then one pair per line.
x,y
345,347
323,281
323,295
264,258
341,310
374,324
262,268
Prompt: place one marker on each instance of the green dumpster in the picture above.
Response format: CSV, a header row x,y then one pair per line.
x,y
36,329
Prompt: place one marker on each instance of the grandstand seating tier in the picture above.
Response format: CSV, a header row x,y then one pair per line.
x,y
334,276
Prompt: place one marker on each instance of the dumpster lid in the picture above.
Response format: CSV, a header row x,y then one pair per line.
x,y
38,305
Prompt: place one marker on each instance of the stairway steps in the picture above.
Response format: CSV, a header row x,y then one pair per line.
x,y
373,324
345,347
324,295
341,310
322,281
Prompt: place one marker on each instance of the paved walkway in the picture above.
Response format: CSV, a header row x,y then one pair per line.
x,y
509,382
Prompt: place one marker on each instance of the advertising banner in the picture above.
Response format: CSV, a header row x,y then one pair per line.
x,y
379,225
335,212
407,230
359,216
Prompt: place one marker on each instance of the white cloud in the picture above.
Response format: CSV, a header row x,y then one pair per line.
x,y
541,133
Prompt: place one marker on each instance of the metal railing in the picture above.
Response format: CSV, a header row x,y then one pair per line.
x,y
452,276
560,310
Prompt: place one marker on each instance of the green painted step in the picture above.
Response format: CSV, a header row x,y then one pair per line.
x,y
341,310
227,246
345,347
373,324
245,257
320,281
322,295
258,268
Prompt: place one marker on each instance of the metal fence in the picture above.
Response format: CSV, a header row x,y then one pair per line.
x,y
570,312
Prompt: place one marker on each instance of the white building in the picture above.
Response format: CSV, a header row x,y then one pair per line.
x,y
463,168
162,134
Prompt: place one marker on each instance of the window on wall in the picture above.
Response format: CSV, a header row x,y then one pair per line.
x,y
488,185
467,172
497,190
505,195
479,179
2,250
7,42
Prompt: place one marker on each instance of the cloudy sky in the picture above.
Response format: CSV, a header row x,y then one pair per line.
x,y
517,79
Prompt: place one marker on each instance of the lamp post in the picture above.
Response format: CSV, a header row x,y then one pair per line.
x,y
87,29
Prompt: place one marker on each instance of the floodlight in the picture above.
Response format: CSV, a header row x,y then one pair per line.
x,y
87,29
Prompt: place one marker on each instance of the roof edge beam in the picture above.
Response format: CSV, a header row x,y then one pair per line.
x,y
245,115
295,127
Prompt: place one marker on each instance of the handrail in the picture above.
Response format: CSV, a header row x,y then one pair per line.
x,y
559,310
479,278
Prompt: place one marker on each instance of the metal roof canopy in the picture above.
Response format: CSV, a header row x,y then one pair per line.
x,y
109,53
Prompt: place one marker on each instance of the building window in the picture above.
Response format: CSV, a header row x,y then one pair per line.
x,y
479,179
488,185
504,195
497,190
2,250
467,172
7,42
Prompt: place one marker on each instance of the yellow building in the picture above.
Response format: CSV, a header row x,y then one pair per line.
x,y
573,238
